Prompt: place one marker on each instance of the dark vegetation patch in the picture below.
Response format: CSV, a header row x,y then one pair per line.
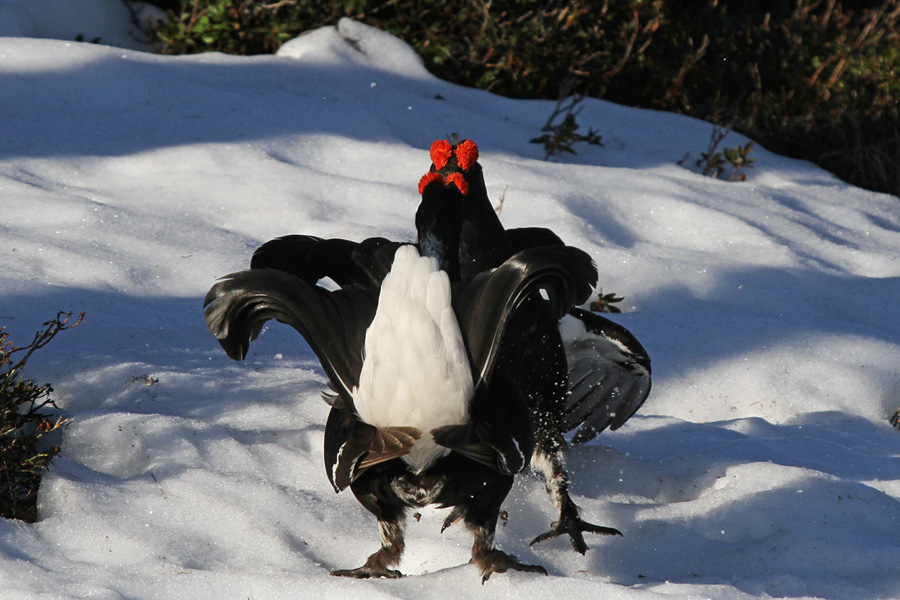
x,y
812,79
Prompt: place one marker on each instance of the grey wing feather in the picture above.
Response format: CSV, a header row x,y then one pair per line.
x,y
609,374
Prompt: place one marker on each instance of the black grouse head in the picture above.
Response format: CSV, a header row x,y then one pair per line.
x,y
461,158
482,242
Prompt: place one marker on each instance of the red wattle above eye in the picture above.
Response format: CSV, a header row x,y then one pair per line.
x,y
466,154
428,178
441,151
459,181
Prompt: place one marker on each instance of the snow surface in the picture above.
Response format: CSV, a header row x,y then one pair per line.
x,y
122,23
761,466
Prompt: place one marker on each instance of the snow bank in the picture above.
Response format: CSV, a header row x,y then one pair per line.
x,y
110,22
761,466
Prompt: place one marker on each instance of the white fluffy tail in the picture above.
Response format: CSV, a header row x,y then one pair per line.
x,y
416,371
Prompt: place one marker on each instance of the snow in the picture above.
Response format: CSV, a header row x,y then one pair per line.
x,y
120,23
762,465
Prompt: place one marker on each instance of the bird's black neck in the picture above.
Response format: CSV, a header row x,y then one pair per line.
x,y
483,243
438,223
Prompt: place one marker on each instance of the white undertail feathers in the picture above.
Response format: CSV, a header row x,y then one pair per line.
x,y
416,371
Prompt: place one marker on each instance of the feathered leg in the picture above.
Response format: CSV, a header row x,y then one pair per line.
x,y
391,526
544,380
481,520
549,460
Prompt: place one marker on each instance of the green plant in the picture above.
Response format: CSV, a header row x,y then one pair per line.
x,y
713,163
511,47
604,303
559,136
25,428
818,80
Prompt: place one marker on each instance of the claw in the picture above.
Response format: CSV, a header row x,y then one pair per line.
x,y
455,515
498,561
367,573
574,527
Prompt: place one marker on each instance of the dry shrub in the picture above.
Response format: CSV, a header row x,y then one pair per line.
x,y
25,427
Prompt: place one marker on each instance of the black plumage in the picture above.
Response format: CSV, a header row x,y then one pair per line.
x,y
485,452
594,378
598,381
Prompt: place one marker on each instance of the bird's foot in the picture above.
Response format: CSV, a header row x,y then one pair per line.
x,y
574,527
377,565
497,561
365,572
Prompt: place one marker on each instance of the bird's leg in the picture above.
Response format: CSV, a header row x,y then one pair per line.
x,y
489,559
547,400
480,518
549,460
391,526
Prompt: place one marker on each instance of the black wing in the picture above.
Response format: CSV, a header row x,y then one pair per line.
x,y
333,323
359,264
310,258
609,374
349,264
485,303
500,434
375,256
523,238
609,370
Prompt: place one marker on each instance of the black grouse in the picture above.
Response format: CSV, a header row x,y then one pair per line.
x,y
582,372
420,414
596,381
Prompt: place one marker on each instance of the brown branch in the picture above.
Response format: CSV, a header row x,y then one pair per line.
x,y
43,337
689,61
636,21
